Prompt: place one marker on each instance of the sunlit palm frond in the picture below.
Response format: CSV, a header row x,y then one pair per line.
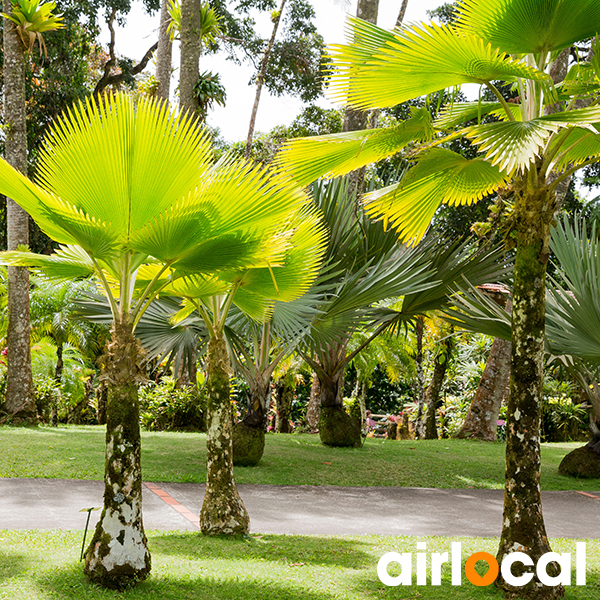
x,y
525,26
66,263
455,114
577,147
115,161
307,159
512,145
420,60
440,176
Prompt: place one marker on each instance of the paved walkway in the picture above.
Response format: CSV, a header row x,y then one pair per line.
x,y
323,510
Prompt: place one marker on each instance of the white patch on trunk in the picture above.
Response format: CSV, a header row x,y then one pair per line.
x,y
517,414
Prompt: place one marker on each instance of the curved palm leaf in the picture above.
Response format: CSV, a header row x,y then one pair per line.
x,y
308,159
420,60
439,176
524,27
458,113
512,145
578,147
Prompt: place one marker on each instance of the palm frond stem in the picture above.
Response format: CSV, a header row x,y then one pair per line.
x,y
501,99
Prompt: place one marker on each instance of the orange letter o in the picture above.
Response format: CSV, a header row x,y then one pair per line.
x,y
473,576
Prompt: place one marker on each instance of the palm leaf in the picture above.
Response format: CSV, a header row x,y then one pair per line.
x,y
579,146
512,145
66,263
439,176
526,26
458,113
114,161
421,59
307,159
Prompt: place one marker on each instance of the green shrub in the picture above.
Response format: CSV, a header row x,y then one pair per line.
x,y
164,407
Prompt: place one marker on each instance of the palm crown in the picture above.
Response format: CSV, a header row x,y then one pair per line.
x,y
134,197
513,41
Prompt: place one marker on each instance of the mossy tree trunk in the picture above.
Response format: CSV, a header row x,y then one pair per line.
x,y
223,512
118,553
190,51
284,398
164,53
336,427
523,523
249,434
434,389
420,378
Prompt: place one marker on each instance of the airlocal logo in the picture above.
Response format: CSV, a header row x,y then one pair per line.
x,y
438,559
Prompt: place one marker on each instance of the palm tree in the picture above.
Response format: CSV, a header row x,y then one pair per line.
x,y
131,192
289,264
52,315
365,265
532,148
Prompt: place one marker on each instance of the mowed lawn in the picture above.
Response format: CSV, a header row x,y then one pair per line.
x,y
75,452
44,565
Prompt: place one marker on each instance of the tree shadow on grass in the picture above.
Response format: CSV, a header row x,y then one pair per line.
x,y
11,565
313,550
70,584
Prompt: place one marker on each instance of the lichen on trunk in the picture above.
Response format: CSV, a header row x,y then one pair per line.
x,y
118,554
284,397
223,512
523,523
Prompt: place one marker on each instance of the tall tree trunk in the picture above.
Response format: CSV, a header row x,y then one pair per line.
x,y
481,420
523,523
420,379
432,394
313,412
19,382
118,553
164,53
189,72
260,80
284,397
357,120
223,512
249,433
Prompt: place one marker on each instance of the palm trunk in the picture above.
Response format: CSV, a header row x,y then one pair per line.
x,y
523,523
249,434
164,54
189,72
260,80
432,395
118,553
223,512
481,420
20,401
284,395
336,427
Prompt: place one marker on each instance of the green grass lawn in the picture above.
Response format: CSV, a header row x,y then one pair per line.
x,y
36,565
78,453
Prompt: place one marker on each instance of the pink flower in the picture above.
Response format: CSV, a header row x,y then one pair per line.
x,y
500,423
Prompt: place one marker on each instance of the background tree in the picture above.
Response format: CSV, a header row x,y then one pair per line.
x,y
24,24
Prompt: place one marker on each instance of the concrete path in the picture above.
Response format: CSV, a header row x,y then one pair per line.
x,y
322,510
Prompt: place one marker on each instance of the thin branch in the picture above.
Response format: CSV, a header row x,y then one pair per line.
x,y
108,79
